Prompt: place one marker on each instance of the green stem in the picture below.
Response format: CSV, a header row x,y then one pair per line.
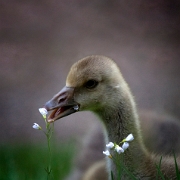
x,y
48,133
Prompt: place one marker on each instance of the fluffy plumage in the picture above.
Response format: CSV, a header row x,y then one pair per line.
x,y
160,134
97,85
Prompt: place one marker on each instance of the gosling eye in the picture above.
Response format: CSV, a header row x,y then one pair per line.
x,y
90,84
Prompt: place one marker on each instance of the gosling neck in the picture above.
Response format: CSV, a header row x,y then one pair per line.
x,y
120,120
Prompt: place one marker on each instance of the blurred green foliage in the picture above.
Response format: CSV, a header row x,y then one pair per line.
x,y
28,162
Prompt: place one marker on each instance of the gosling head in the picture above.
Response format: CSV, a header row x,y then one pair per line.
x,y
93,83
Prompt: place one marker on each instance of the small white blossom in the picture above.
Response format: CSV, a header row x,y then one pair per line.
x,y
107,153
125,145
110,145
130,137
119,149
36,126
43,111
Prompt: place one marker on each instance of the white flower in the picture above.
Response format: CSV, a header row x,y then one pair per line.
x,y
125,145
110,145
119,149
43,111
107,153
36,126
130,137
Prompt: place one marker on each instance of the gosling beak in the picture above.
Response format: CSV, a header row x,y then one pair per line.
x,y
62,104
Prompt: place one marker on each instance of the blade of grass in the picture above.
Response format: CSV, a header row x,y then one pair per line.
x,y
159,173
177,169
112,177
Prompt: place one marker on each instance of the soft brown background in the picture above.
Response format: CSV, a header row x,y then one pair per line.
x,y
40,40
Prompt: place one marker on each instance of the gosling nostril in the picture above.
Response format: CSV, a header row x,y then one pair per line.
x,y
50,105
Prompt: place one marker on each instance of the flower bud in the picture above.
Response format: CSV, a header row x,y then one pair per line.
x,y
36,126
43,111
110,145
107,153
125,145
119,149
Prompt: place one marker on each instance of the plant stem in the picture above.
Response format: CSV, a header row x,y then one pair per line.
x,y
48,133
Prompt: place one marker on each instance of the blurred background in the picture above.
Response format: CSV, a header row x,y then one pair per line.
x,y
40,40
